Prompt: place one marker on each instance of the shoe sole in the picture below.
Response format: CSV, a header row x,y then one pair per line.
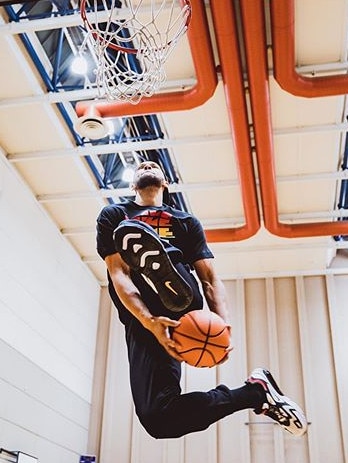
x,y
293,411
144,253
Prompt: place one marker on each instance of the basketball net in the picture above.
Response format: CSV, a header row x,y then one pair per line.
x,y
132,40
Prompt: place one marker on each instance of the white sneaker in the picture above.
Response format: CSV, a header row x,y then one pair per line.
x,y
277,406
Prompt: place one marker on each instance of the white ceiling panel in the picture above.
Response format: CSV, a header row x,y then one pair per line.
x,y
23,81
209,119
321,31
297,197
208,205
85,244
289,256
293,111
73,212
57,175
181,54
206,161
307,153
32,128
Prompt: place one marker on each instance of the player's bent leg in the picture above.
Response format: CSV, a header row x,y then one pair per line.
x,y
160,406
141,248
176,415
276,405
182,414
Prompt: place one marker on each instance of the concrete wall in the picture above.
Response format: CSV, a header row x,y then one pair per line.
x,y
48,319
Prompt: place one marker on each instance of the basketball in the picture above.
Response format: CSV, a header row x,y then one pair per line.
x,y
202,338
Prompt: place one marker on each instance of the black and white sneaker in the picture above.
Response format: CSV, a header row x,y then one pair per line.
x,y
141,249
277,406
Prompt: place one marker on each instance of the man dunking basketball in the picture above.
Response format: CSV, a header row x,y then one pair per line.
x,y
150,250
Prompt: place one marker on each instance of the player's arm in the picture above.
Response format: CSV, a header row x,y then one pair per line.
x,y
213,288
131,299
198,253
214,292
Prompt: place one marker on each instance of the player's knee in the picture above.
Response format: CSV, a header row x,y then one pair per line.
x,y
159,426
154,425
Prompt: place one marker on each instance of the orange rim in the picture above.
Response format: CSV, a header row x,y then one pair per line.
x,y
88,25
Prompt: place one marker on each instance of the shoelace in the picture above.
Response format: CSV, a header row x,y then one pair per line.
x,y
275,412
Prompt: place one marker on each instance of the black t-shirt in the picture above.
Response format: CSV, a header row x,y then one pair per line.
x,y
177,228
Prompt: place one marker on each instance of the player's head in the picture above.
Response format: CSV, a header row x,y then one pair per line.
x,y
149,174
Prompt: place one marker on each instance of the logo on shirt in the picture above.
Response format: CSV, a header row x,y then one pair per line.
x,y
160,221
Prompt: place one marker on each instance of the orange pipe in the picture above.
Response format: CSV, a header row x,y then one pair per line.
x,y
203,60
283,39
232,76
226,31
255,44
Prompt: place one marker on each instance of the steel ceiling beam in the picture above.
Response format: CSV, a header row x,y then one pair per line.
x,y
183,187
89,150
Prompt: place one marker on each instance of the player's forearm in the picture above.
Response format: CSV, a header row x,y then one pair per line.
x,y
215,295
131,299
126,289
213,288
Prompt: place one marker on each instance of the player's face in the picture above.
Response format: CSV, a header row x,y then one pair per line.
x,y
148,173
149,165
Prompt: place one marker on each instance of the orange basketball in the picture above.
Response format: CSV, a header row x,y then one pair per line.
x,y
202,338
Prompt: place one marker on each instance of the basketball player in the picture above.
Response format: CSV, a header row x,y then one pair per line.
x,y
150,250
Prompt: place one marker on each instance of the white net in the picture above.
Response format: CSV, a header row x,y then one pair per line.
x,y
132,40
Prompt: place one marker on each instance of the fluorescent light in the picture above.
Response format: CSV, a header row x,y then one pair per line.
x,y
79,65
128,174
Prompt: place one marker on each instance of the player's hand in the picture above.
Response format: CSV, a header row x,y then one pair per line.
x,y
224,359
159,327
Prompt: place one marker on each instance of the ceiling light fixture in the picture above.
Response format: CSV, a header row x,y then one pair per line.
x,y
128,174
79,65
130,163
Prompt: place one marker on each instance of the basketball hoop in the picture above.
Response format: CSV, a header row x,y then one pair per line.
x,y
132,40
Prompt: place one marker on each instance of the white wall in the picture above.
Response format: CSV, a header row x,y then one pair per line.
x,y
296,327
48,319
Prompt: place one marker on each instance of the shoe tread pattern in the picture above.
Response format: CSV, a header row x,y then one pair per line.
x,y
144,253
